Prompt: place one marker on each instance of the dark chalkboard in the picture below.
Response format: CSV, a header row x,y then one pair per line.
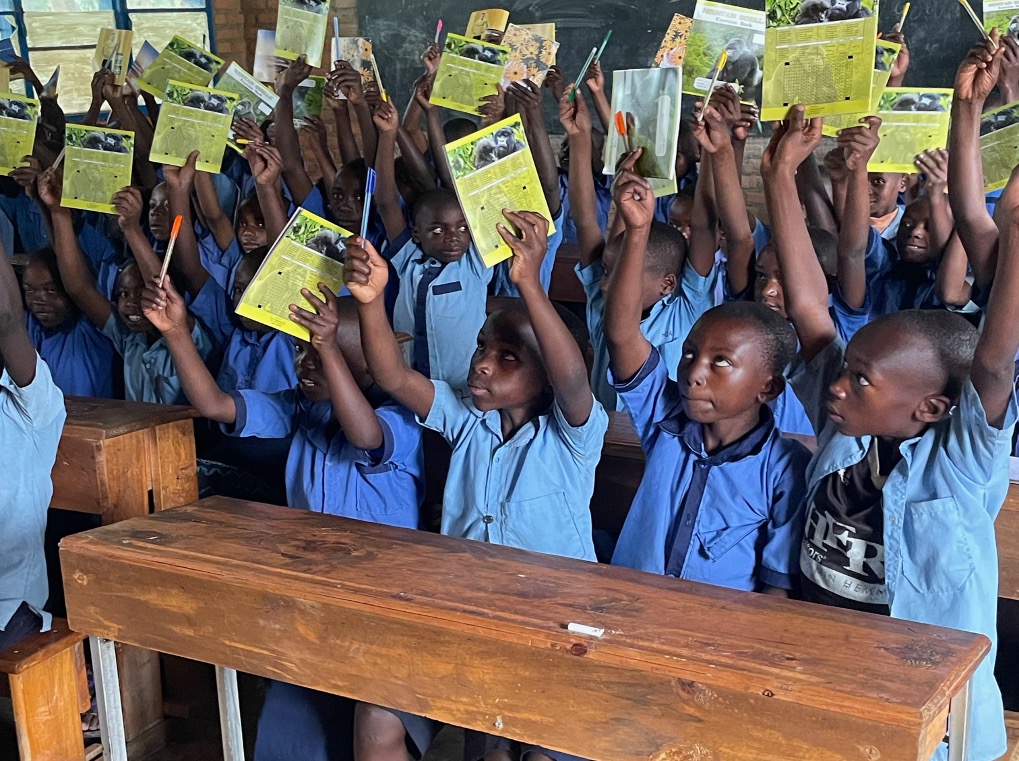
x,y
938,32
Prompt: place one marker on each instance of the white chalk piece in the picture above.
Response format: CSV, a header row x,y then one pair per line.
x,y
591,631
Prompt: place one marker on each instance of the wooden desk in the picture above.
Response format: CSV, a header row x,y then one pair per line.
x,y
113,455
565,285
474,634
1006,528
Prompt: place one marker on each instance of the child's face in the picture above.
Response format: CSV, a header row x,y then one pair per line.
x,y
310,377
723,374
768,281
913,240
681,214
159,213
242,279
129,301
506,369
346,200
653,288
45,296
884,192
885,379
250,227
441,230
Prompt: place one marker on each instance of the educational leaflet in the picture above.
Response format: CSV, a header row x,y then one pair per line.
x,y
255,101
97,165
18,117
738,31
310,251
301,30
113,53
819,54
1003,15
884,57
193,118
181,61
357,51
309,98
673,48
487,25
913,120
650,101
493,170
267,64
999,145
530,56
468,71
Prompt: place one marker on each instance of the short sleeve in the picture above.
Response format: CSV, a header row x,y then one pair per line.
x,y
848,320
973,445
786,516
399,251
212,307
401,438
696,293
263,416
810,381
117,332
203,341
219,264
449,414
313,202
584,441
36,405
650,397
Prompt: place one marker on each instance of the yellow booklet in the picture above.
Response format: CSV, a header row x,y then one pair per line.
x,y
530,56
493,170
488,24
301,30
820,55
673,48
468,71
97,165
999,145
739,32
884,57
113,52
193,118
18,117
255,101
914,119
180,61
309,251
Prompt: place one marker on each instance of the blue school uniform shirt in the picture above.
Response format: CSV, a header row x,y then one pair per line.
x,y
260,361
503,286
665,327
326,473
104,255
533,491
149,374
442,307
219,263
893,285
28,221
603,202
734,518
81,360
939,505
31,419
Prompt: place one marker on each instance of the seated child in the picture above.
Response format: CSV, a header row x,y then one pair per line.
x,y
914,423
31,418
526,433
720,500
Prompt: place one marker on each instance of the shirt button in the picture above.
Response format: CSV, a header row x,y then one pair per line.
x,y
488,519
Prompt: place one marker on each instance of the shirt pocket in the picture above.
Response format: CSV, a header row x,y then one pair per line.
x,y
715,543
936,553
377,494
545,524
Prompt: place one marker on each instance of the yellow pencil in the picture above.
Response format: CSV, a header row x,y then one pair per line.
x,y
976,20
902,18
722,59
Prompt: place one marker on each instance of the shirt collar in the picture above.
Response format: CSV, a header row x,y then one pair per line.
x,y
691,433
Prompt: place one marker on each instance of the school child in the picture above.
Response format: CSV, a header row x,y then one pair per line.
x,y
914,422
31,419
81,360
526,433
707,436
355,453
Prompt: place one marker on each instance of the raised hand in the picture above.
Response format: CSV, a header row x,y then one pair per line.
x,y
859,143
246,129
556,82
50,188
164,307
423,91
933,164
493,107
128,203
594,77
366,272
181,178
386,118
347,80
527,97
529,245
288,79
901,63
430,58
27,176
323,322
793,141
978,73
712,131
574,114
635,200
266,164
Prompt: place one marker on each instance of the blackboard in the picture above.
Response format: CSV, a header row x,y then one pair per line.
x,y
938,32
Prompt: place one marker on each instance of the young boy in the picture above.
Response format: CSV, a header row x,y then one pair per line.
x,y
31,419
914,423
526,432
720,500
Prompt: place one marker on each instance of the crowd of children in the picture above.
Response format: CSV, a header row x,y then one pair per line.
x,y
876,312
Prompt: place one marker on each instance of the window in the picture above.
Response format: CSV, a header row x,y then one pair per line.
x,y
64,33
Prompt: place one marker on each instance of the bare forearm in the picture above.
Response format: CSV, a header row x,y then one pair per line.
x,y
544,160
326,164
199,386
704,224
628,349
732,212
289,146
345,133
273,210
186,259
386,194
208,201
941,223
583,199
412,124
602,107
74,272
437,140
369,137
852,241
951,284
977,230
820,210
17,355
419,169
356,417
385,361
993,370
148,263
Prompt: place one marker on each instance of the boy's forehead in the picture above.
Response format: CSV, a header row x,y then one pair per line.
x,y
511,328
438,210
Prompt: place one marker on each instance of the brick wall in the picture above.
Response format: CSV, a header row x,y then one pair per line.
x,y
753,185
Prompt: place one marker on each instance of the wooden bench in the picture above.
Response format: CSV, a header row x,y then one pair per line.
x,y
478,635
565,285
45,679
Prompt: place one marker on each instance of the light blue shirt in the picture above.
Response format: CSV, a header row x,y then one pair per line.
x,y
149,374
748,528
455,307
218,263
82,360
940,502
260,361
31,419
533,491
665,327
327,474
503,286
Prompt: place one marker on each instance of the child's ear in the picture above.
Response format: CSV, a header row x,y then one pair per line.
x,y
667,286
772,389
932,408
414,234
903,183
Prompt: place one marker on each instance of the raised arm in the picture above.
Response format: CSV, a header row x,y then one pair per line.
x,y
351,410
318,141
165,309
17,355
814,197
576,120
594,78
208,201
179,182
951,284
974,81
347,80
564,363
95,106
266,167
704,222
294,171
412,116
387,196
436,137
349,150
366,276
858,145
934,166
806,290
421,173
128,203
901,64
528,98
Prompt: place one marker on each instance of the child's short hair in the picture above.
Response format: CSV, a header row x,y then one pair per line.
x,y
778,338
951,338
433,198
458,128
359,167
825,248
573,323
47,257
666,250
255,256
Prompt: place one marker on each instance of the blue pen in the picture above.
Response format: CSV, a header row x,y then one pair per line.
x,y
336,38
369,190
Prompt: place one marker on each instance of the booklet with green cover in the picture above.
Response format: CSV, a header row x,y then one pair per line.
x,y
193,118
97,165
180,61
18,117
301,29
468,71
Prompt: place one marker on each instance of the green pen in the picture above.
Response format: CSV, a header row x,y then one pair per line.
x,y
583,72
604,42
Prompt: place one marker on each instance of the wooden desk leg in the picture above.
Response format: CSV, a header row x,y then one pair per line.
x,y
229,714
173,465
111,714
959,724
